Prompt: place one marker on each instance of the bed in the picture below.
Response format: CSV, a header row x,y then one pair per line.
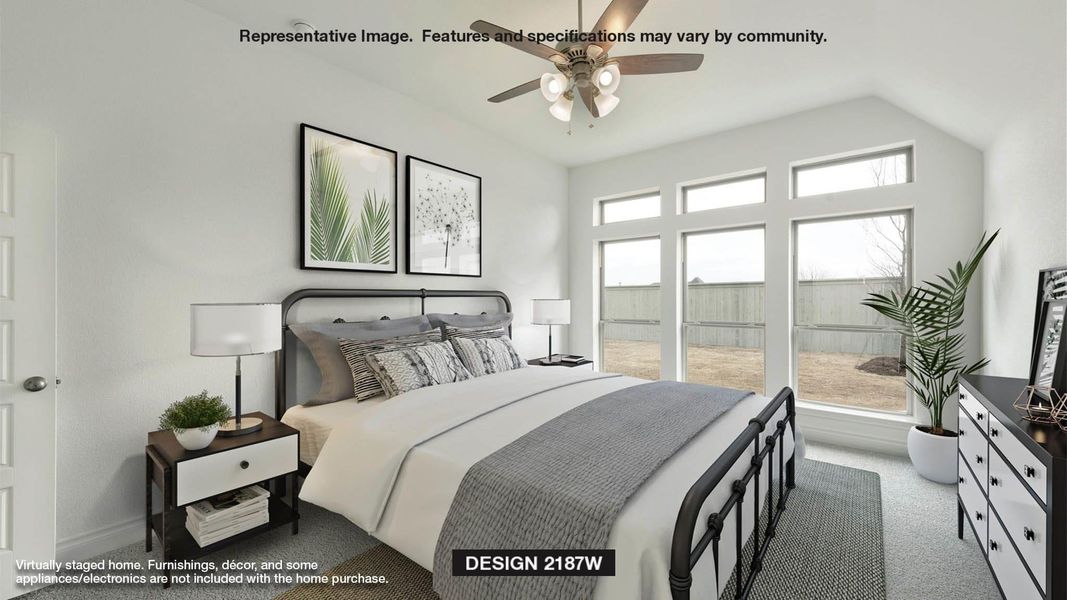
x,y
425,441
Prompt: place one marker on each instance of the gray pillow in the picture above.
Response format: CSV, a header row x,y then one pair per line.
x,y
487,331
321,340
495,320
484,356
400,371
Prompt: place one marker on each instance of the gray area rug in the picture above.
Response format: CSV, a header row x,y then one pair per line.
x,y
829,546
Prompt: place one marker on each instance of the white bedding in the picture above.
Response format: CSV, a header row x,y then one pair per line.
x,y
316,422
394,468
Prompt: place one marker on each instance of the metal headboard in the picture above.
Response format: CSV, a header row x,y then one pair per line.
x,y
280,400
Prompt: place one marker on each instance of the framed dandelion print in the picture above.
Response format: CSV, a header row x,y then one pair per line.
x,y
349,205
444,220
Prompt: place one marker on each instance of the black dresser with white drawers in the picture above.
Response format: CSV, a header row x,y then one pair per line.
x,y
1013,489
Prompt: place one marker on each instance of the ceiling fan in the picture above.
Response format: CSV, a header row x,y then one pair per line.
x,y
584,67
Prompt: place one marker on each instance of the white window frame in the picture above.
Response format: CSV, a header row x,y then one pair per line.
x,y
687,324
601,321
722,180
796,328
859,156
649,193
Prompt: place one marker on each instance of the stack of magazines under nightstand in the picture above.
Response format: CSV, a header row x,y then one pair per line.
x,y
225,515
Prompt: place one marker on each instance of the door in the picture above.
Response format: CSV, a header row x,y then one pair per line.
x,y
27,349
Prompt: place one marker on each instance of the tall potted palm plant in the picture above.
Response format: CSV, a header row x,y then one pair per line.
x,y
929,317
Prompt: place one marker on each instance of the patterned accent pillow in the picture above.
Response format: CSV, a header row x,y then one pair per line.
x,y
483,356
364,383
481,332
401,371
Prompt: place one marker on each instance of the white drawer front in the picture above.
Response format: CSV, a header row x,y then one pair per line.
x,y
1008,567
975,448
1025,463
979,413
200,478
974,503
1023,517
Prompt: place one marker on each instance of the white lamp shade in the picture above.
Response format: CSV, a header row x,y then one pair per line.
x,y
607,79
553,85
551,312
234,329
605,103
561,109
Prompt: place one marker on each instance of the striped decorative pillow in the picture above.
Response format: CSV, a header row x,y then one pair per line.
x,y
364,384
482,332
409,369
483,356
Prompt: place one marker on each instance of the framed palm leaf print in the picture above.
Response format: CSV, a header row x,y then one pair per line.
x,y
349,204
444,220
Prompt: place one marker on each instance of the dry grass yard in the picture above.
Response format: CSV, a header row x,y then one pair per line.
x,y
824,376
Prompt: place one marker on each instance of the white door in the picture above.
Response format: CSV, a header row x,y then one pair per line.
x,y
27,349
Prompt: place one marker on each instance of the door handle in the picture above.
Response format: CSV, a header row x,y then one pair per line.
x,y
35,384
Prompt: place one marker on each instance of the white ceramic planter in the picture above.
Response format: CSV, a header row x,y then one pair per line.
x,y
197,439
934,456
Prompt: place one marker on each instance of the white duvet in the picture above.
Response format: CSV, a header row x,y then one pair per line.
x,y
394,469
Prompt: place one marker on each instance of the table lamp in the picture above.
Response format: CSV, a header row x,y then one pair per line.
x,y
551,312
235,329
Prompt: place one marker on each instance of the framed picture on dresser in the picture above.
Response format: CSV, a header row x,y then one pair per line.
x,y
1048,364
348,203
444,219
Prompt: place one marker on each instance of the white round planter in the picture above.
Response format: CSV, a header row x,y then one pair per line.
x,y
197,439
934,456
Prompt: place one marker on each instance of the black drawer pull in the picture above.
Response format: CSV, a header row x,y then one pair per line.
x,y
962,432
994,432
1029,471
977,516
962,480
1028,534
961,395
979,415
978,458
994,481
994,546
244,464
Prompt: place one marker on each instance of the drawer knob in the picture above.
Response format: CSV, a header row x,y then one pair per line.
x,y
244,464
994,481
1029,471
962,479
978,458
961,395
994,546
994,432
1028,534
979,415
977,516
962,432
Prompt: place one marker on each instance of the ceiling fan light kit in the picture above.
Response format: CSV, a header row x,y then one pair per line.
x,y
585,67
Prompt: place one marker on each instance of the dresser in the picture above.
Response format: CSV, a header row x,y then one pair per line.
x,y
1012,489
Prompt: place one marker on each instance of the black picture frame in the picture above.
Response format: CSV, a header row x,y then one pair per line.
x,y
409,220
302,205
1051,297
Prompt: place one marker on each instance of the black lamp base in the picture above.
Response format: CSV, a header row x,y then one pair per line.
x,y
248,425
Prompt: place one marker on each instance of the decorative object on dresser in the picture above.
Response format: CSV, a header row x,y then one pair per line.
x,y
551,312
1012,488
1048,363
195,420
929,317
235,329
444,220
185,478
349,203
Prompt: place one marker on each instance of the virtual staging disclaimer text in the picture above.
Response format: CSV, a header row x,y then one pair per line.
x,y
429,36
230,572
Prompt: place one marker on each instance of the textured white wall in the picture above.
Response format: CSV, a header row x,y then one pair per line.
x,y
178,183
946,198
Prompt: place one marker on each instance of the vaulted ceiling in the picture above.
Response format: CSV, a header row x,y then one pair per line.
x,y
968,66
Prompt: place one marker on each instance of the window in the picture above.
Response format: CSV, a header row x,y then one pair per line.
x,y
737,191
845,353
630,307
628,209
724,299
853,173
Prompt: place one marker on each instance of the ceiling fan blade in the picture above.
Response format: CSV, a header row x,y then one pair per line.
x,y
650,64
618,17
587,98
518,90
540,50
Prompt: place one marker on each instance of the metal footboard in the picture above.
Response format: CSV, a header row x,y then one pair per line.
x,y
684,555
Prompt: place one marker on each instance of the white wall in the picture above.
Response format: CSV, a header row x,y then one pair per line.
x,y
178,183
1026,197
946,198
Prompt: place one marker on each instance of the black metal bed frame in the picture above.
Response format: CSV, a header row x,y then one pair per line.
x,y
684,556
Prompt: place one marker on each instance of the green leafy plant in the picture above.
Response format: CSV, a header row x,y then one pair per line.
x,y
929,317
195,412
331,232
372,239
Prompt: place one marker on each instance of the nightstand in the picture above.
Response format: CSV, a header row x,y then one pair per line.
x,y
585,362
267,457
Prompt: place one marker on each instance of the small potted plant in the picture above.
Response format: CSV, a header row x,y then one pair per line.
x,y
929,317
195,420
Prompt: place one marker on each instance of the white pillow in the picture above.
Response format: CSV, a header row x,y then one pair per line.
x,y
483,356
408,369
